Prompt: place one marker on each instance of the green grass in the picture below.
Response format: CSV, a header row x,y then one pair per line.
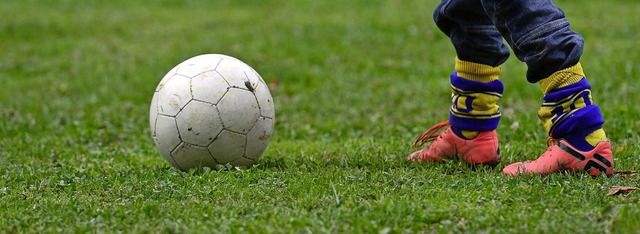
x,y
358,81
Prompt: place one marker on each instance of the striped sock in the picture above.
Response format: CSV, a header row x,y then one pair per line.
x,y
476,90
568,111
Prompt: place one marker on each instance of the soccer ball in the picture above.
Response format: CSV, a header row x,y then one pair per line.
x,y
211,110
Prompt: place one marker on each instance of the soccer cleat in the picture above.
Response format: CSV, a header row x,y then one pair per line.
x,y
481,150
561,156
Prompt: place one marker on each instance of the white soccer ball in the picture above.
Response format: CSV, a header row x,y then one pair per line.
x,y
210,110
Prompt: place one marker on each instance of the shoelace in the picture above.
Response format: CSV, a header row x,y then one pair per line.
x,y
430,134
550,141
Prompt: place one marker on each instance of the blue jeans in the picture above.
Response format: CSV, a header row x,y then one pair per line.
x,y
536,30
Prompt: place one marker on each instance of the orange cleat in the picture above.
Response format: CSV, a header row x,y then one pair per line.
x,y
481,150
561,156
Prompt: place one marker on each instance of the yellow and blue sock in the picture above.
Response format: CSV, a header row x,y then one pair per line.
x,y
476,90
568,111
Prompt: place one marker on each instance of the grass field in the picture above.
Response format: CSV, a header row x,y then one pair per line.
x,y
357,81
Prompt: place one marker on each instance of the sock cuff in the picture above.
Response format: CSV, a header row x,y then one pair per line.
x,y
476,71
562,78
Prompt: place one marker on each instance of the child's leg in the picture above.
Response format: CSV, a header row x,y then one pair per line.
x,y
480,51
539,35
474,113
